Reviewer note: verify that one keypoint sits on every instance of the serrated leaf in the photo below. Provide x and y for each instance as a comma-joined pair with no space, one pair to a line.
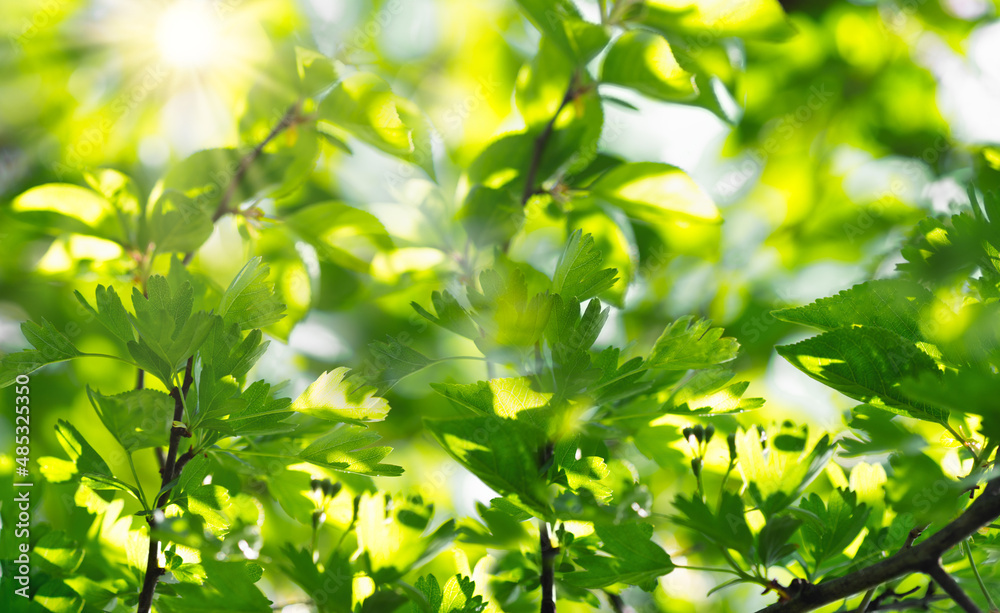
867,364
689,343
391,534
347,449
227,589
501,452
109,311
894,304
629,557
249,300
334,398
578,273
137,419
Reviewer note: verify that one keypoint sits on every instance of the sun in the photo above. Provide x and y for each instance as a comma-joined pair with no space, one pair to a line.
188,35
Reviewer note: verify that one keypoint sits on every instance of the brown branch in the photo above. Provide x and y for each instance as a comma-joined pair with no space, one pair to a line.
548,577
290,118
171,471
541,141
924,557
170,465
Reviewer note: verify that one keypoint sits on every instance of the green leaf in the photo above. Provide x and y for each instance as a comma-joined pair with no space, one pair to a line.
110,312
655,193
391,362
391,533
507,398
60,552
249,300
727,529
137,419
829,527
542,84
316,71
748,19
491,215
629,556
50,343
228,588
178,223
204,177
334,582
346,449
894,304
644,62
867,364
578,273
50,346
778,478
334,398
69,208
501,452
505,314
169,333
560,20
364,106
450,315
689,343
341,234
772,546
83,459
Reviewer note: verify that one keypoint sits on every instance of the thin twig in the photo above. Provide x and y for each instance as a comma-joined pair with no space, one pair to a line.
541,141
290,118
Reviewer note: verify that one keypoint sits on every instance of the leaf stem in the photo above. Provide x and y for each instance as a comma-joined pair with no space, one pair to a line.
979,579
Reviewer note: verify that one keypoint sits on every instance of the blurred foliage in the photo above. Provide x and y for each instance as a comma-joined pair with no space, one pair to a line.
510,217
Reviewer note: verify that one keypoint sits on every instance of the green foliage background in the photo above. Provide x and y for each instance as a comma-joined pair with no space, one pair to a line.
727,159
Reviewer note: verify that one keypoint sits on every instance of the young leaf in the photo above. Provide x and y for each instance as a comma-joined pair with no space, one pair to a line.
228,588
249,300
578,273
688,343
347,449
392,362
333,398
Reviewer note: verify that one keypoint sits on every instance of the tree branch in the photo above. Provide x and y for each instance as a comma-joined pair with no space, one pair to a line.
290,118
541,141
171,470
924,557
548,579
953,589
